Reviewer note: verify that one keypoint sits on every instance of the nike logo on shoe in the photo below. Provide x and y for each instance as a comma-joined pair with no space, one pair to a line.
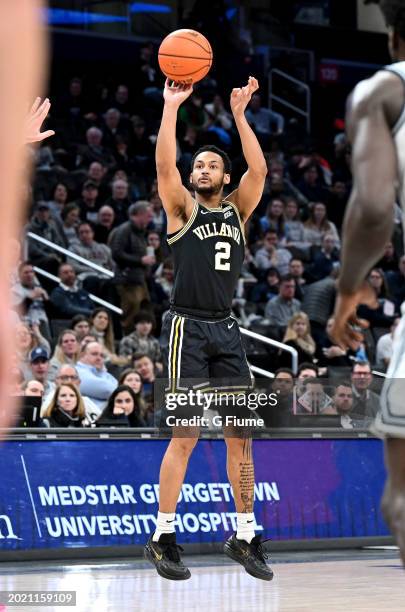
249,521
231,325
158,556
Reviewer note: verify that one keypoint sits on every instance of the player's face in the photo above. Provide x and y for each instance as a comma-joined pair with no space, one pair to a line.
208,176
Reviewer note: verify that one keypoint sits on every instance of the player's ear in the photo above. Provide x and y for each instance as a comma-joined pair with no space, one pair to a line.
191,178
227,179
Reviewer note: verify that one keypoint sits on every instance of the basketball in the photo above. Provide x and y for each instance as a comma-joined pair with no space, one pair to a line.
185,56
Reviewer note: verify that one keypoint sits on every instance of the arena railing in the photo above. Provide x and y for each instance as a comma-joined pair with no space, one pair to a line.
306,113
94,298
280,345
56,247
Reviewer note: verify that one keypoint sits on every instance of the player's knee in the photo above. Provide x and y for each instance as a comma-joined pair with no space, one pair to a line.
184,446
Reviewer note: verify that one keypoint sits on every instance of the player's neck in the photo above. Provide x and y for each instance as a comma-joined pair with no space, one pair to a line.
213,201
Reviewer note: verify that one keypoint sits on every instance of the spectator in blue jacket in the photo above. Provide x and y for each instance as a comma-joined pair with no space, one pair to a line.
68,298
95,382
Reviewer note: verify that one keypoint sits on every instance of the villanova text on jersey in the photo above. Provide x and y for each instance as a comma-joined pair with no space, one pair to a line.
208,254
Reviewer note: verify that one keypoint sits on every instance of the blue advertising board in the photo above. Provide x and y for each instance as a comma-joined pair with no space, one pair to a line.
93,493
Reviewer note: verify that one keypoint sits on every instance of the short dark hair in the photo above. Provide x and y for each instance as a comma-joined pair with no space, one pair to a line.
68,209
220,152
361,363
394,15
286,278
284,371
306,365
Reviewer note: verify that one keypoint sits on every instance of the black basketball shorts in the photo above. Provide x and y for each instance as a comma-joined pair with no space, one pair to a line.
203,355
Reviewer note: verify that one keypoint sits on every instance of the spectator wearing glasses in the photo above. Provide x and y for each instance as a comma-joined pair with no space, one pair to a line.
68,374
96,382
365,401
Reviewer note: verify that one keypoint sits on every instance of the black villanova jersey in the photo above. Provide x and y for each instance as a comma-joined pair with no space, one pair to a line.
208,254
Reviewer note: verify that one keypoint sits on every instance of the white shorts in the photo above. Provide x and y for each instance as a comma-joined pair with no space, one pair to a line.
390,421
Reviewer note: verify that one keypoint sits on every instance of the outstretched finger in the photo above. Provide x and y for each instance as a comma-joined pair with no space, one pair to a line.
43,109
35,106
46,134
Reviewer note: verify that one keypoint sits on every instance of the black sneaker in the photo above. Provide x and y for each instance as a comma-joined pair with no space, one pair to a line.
251,556
164,555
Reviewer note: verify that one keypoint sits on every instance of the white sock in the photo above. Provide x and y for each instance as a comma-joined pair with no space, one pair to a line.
165,524
245,522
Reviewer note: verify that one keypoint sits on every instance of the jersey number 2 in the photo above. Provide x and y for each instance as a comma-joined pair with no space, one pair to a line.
224,253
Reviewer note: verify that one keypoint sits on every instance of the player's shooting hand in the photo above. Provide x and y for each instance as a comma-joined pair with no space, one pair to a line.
176,93
34,121
347,327
240,96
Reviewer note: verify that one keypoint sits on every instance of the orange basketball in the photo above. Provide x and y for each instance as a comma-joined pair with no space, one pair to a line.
185,56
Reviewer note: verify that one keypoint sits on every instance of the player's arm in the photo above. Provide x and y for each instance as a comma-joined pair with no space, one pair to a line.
368,221
250,189
174,195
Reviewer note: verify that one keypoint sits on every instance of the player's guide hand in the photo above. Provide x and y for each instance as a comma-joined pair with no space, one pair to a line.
176,93
34,121
240,96
347,327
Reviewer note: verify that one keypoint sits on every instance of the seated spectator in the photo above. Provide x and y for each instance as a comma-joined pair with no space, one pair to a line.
283,385
94,151
97,175
318,225
296,269
312,398
153,240
89,204
121,410
66,408
280,309
91,250
396,283
70,220
44,226
105,224
311,185
307,370
113,127
30,298
96,382
384,346
159,221
325,259
27,338
101,327
144,365
343,405
298,336
68,298
39,362
217,113
141,340
271,255
68,374
264,121
81,326
119,201
33,388
366,402
274,218
66,352
337,202
389,260
384,314
60,198
267,289
294,228
133,379
318,303
329,354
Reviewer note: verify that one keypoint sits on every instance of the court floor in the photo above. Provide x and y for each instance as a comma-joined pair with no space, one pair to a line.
323,581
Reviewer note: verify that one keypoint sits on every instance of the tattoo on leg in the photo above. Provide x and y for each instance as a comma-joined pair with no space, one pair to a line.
247,484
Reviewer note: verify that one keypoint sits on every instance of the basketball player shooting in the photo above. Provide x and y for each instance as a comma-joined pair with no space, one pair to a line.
376,128
200,339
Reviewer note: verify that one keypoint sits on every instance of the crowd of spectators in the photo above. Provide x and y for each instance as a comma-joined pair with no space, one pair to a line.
95,194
